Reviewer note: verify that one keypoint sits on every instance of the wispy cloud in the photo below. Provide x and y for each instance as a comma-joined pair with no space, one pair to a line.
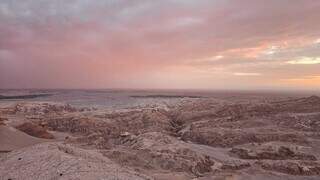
305,61
246,74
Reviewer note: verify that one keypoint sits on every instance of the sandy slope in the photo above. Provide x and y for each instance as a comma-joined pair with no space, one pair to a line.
63,162
11,139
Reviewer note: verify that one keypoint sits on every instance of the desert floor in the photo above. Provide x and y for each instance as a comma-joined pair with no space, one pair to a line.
260,138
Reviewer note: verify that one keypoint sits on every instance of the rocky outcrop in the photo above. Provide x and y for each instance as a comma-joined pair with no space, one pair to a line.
135,122
229,138
43,108
281,153
300,105
35,130
308,122
2,119
161,152
293,168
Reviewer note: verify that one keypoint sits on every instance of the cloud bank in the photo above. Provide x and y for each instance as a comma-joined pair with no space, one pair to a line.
214,44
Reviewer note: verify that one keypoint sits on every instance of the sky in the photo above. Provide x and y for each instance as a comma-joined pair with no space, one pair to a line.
167,44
